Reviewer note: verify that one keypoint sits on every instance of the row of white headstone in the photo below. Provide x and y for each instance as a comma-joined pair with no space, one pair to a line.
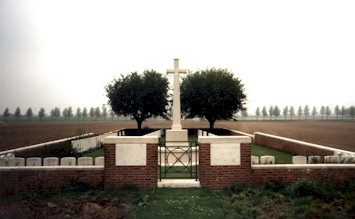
52,161
304,160
85,144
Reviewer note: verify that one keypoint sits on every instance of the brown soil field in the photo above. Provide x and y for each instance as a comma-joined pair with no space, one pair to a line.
335,134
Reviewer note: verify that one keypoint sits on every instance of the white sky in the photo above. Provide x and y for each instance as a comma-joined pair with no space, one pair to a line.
63,53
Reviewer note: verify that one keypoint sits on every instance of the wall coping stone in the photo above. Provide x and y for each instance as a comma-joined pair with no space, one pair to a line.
34,168
224,139
303,166
131,140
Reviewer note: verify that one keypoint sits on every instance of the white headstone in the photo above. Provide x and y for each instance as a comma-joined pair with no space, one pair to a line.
254,160
331,159
17,162
347,159
4,162
10,155
34,161
99,161
299,160
85,161
68,161
50,161
267,159
314,159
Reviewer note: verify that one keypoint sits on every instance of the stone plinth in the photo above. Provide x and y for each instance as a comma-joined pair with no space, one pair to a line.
176,135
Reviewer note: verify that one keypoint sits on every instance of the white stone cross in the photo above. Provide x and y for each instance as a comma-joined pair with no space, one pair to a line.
176,94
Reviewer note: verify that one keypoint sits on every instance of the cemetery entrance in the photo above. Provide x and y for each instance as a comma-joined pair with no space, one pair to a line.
178,161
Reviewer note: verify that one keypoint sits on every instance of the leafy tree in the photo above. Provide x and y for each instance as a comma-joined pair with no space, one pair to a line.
314,112
97,112
85,113
328,112
41,114
285,111
112,114
299,112
29,113
56,113
271,111
213,94
70,112
342,112
6,113
337,111
92,113
65,113
352,112
244,113
18,113
52,112
141,96
276,112
264,112
322,111
78,113
292,112
306,111
104,112
257,113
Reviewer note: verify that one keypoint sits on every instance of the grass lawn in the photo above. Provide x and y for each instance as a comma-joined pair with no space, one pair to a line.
280,157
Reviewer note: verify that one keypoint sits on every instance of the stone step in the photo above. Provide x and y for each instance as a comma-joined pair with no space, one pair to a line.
178,183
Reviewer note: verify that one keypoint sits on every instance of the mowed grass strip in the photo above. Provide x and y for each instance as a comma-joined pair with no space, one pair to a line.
280,157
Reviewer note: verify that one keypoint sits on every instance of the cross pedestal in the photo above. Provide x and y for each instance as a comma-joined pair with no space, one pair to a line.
176,134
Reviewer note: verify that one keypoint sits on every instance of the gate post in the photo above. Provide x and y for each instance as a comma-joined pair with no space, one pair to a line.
224,160
131,160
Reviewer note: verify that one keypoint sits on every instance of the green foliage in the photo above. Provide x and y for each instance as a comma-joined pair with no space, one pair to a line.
139,96
310,188
213,94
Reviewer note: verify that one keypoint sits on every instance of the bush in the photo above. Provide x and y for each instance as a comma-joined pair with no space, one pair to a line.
309,188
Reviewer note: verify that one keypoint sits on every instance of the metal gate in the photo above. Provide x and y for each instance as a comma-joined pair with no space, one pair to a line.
178,162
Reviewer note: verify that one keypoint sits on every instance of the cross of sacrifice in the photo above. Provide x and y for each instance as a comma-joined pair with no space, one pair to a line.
176,94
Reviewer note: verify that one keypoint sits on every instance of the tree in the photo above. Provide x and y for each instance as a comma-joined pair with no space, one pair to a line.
244,113
285,111
337,111
78,113
264,112
276,112
322,111
314,112
342,112
92,113
141,96
299,112
292,112
18,113
97,112
6,113
104,112
56,113
52,112
85,113
65,113
257,113
328,112
112,114
29,113
213,94
306,111
271,111
41,114
70,112
352,112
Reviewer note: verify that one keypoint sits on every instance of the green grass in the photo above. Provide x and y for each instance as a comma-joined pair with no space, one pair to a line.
280,157
178,172
94,153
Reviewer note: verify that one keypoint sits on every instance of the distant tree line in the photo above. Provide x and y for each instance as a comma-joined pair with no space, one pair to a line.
66,114
273,112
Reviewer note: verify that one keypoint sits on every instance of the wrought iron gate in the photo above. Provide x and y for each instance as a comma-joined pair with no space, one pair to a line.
178,162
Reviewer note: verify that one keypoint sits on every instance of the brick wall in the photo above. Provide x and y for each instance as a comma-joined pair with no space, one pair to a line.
294,148
141,176
22,179
333,173
219,177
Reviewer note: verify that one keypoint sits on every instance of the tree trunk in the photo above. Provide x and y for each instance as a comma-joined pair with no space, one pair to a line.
139,123
211,123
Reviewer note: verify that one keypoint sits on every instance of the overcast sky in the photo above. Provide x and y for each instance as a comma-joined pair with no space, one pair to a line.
62,53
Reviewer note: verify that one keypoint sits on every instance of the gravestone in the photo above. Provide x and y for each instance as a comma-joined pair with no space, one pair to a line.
51,161
99,161
34,161
331,159
4,162
254,160
299,160
267,159
176,133
68,161
85,161
17,162
347,159
314,159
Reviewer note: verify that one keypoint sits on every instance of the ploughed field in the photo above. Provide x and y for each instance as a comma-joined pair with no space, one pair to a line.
330,133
